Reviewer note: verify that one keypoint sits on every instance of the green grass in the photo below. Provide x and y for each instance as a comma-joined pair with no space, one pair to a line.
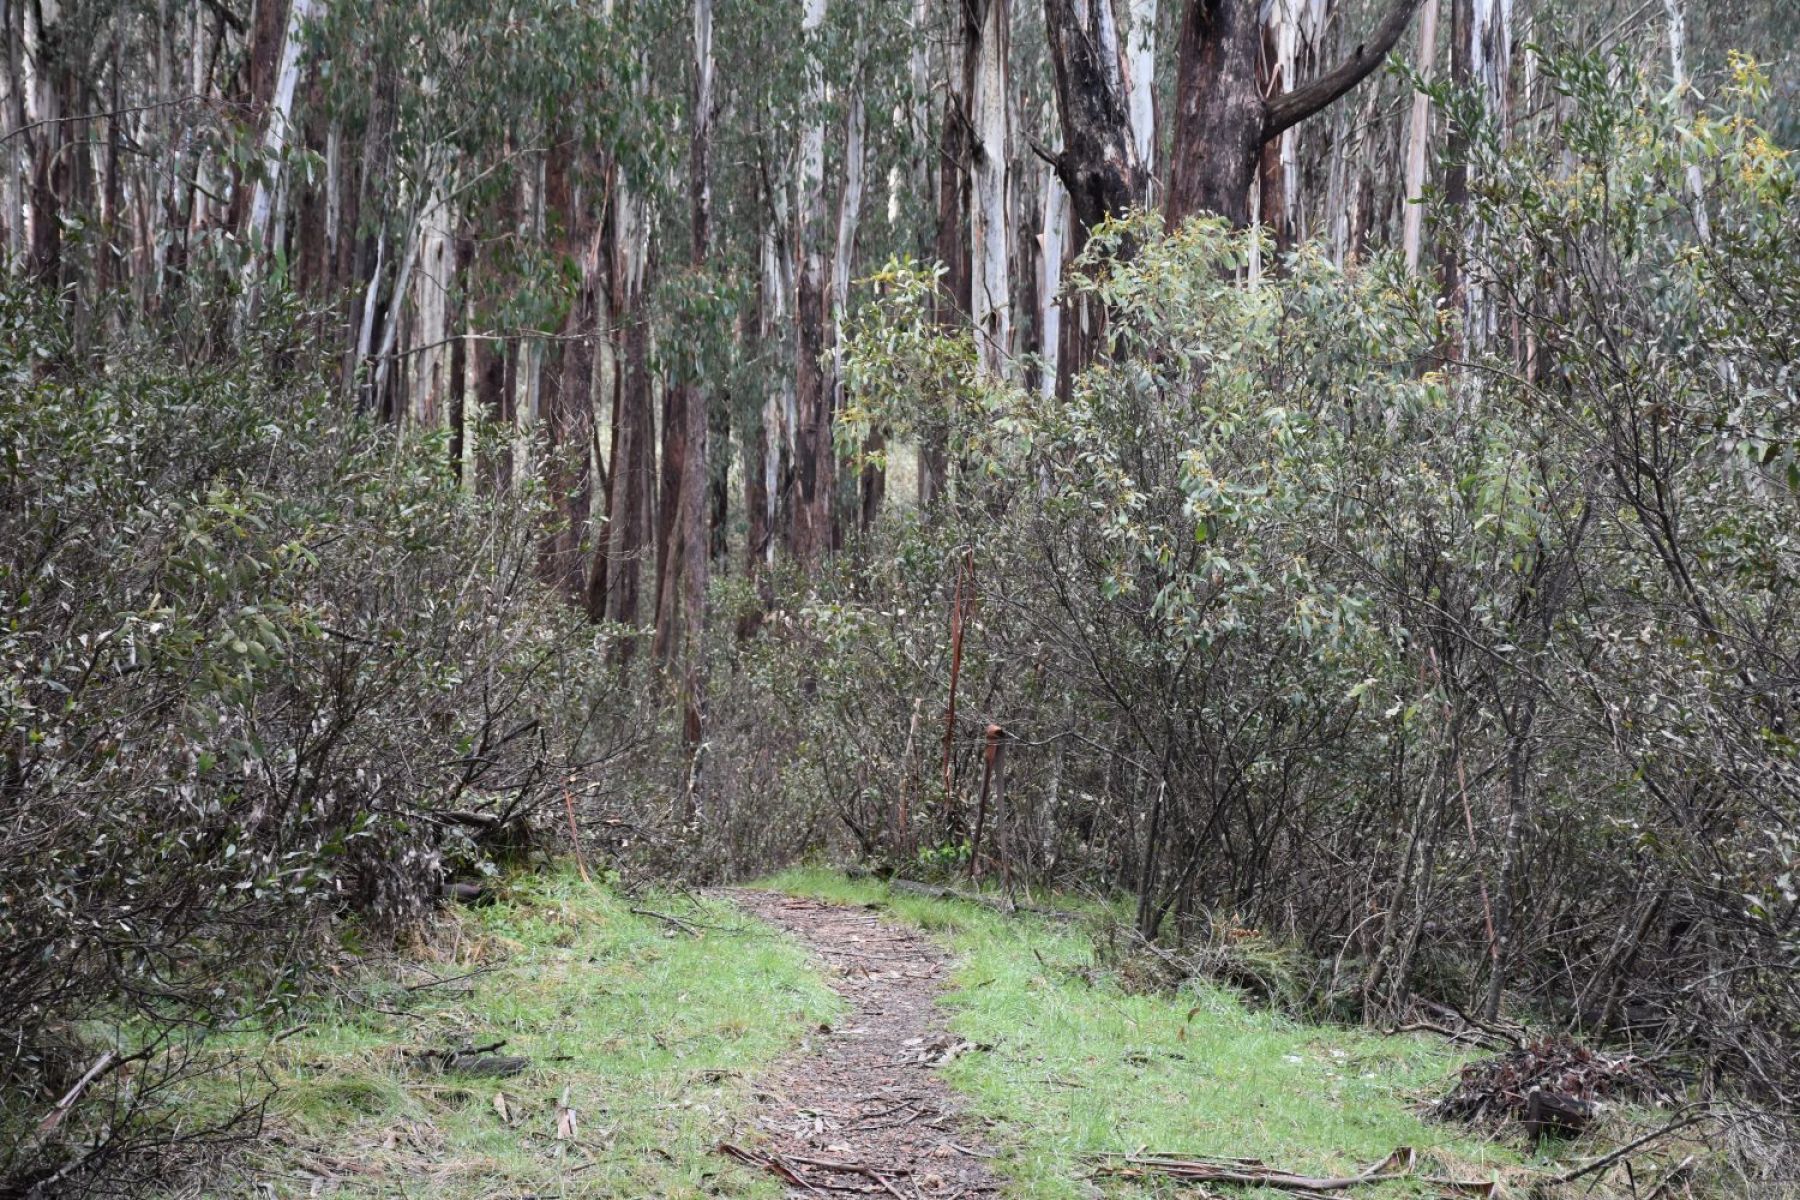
652,1035
1081,1067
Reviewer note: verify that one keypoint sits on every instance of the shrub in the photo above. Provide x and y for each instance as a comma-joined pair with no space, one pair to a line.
1454,644
270,677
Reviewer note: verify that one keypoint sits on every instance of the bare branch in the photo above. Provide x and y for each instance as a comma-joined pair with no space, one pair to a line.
1289,109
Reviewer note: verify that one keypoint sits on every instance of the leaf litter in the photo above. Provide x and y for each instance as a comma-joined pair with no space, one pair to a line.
863,1110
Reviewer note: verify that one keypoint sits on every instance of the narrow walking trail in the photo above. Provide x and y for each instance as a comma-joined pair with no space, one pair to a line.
862,1109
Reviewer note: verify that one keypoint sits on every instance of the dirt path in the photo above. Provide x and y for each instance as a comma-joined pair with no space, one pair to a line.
861,1109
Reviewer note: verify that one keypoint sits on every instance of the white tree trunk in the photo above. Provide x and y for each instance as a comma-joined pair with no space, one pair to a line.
991,285
849,216
37,28
811,189
778,405
1056,221
411,247
1418,135
812,155
1492,56
365,329
435,276
1141,72
199,66
1679,77
15,142
275,137
1490,64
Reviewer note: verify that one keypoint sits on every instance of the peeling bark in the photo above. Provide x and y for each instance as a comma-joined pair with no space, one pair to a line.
810,517
991,289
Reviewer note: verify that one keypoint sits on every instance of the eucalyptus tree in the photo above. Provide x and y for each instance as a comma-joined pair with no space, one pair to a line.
1222,117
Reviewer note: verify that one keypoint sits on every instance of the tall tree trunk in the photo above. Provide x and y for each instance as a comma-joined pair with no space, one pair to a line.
1050,268
671,465
12,19
1222,119
697,466
991,286
756,499
567,397
1456,171
1140,82
1290,24
722,449
810,517
763,445
43,34
111,232
1099,165
313,237
870,486
952,249
459,385
277,110
681,608
265,40
433,278
1678,78
632,475
1418,134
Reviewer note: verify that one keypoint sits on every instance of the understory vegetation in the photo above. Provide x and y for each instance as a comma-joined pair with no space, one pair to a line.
407,500
272,680
1279,617
1457,656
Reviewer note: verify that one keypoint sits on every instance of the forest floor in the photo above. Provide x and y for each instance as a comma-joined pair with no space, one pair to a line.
865,1104
816,1036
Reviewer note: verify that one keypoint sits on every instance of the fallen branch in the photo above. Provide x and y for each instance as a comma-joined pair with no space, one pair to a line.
473,1060
785,1167
1248,1172
54,1117
435,982
677,922
1491,1034
765,1162
1631,1147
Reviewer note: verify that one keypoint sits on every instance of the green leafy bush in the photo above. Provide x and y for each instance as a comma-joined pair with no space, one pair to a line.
270,676
1453,642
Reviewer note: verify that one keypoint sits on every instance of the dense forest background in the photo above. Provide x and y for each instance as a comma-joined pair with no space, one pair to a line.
1325,465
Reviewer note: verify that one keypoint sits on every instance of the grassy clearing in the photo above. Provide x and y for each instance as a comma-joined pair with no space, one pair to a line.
650,1034
1081,1067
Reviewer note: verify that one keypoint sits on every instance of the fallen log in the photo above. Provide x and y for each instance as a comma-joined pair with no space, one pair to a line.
1249,1172
477,1061
1555,1114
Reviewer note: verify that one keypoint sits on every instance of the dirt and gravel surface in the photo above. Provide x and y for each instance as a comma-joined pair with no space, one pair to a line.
861,1109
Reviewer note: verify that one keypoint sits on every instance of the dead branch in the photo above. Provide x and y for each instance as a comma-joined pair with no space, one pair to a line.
1250,1173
